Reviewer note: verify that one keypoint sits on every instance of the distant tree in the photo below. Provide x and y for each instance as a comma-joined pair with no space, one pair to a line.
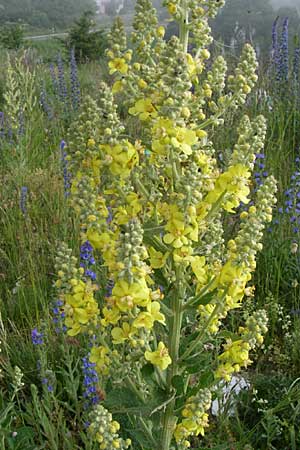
87,43
44,13
11,36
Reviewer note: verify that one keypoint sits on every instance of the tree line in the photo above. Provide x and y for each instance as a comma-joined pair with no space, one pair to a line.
56,14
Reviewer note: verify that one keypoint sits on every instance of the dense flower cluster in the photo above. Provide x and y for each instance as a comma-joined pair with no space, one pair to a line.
79,307
195,418
236,354
105,430
151,201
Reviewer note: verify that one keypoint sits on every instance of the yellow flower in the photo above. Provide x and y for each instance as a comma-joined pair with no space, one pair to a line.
128,295
98,240
157,259
99,356
159,357
195,67
160,31
118,65
177,238
122,158
120,335
154,309
91,142
183,254
144,320
172,8
142,83
111,316
80,308
234,184
235,277
184,139
117,86
144,109
224,371
198,266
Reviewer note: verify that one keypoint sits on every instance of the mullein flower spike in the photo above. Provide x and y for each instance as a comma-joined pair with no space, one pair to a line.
151,201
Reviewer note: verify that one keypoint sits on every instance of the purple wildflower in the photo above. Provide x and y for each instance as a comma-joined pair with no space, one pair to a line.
75,85
90,382
23,200
66,173
87,259
37,338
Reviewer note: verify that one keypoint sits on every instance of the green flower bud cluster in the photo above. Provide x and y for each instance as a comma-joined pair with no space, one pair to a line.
245,77
191,184
251,141
248,240
256,327
89,206
111,125
213,241
174,8
12,97
199,27
144,34
17,381
66,268
211,6
131,251
104,430
87,126
216,76
175,78
117,38
20,93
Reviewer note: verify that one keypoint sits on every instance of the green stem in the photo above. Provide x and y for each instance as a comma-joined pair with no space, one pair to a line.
169,418
184,27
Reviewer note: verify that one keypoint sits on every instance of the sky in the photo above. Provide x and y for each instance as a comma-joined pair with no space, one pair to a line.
279,3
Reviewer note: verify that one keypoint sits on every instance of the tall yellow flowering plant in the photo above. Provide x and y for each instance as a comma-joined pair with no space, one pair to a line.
151,200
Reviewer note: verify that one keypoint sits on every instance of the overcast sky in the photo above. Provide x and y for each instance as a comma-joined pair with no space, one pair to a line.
279,3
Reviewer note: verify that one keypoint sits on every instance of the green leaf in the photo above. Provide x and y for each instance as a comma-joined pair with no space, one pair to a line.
124,397
148,373
197,363
202,299
178,383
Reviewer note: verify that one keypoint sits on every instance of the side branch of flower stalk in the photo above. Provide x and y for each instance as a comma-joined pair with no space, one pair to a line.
197,341
134,389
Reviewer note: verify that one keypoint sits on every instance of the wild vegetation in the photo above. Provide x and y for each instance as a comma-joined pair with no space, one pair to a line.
149,261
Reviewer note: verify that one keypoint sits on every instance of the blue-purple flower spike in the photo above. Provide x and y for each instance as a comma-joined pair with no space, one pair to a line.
87,260
37,338
65,168
90,382
282,65
62,87
23,200
275,49
75,85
